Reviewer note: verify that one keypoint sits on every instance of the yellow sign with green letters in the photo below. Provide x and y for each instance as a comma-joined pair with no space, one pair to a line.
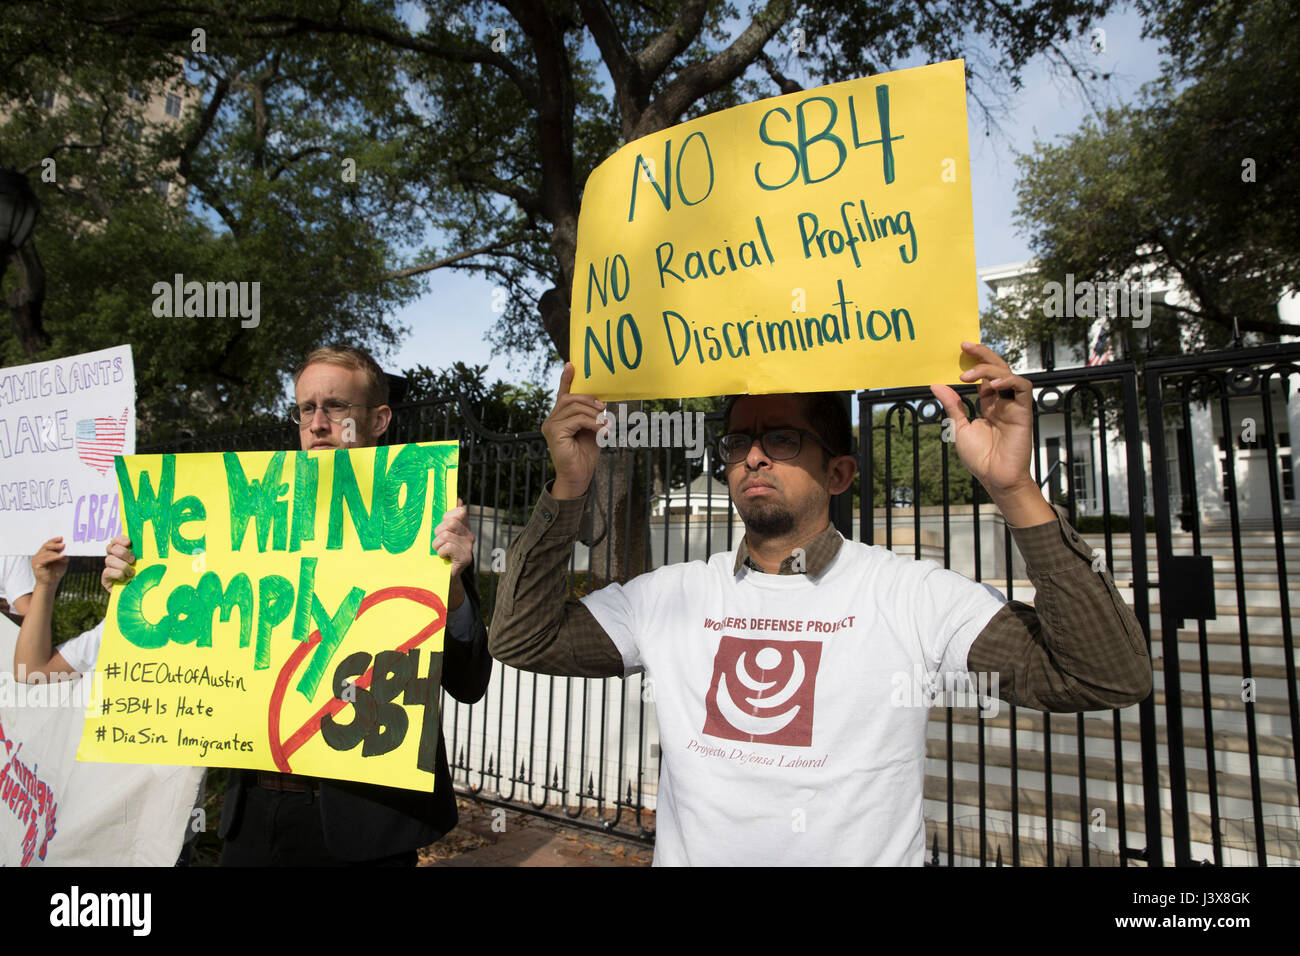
815,241
286,613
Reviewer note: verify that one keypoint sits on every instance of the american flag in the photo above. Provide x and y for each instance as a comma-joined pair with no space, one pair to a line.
1101,351
99,439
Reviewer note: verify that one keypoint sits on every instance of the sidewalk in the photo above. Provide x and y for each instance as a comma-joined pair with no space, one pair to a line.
497,836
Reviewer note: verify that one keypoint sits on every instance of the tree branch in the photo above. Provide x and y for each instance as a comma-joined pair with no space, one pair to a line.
185,159
559,189
476,175
700,79
671,42
631,92
783,82
257,89
1077,75
279,26
1198,284
290,160
1245,325
452,259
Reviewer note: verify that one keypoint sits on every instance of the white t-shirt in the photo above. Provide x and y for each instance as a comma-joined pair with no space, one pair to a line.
792,719
16,578
81,651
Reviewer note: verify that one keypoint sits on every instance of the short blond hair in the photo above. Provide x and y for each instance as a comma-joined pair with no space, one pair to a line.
356,359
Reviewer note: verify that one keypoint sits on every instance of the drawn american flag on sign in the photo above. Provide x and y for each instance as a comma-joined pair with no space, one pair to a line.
99,439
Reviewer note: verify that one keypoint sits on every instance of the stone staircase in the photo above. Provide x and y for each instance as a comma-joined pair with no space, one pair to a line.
1059,799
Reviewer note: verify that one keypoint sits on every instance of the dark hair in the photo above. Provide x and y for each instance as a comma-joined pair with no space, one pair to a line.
826,412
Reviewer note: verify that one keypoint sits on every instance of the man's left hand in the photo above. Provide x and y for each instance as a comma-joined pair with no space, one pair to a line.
453,539
996,447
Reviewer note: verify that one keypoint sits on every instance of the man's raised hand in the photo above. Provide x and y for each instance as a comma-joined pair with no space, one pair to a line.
570,432
995,448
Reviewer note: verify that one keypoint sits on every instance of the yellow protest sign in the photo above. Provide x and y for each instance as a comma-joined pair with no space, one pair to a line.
286,613
815,241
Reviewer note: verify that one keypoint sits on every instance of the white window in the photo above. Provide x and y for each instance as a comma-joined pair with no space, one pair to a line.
1081,469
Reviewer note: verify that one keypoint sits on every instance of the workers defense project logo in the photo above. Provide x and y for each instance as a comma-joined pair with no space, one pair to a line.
762,691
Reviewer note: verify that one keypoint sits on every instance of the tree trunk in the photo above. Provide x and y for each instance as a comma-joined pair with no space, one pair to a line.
616,528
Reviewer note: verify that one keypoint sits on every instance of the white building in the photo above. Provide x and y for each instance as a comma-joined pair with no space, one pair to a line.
1197,454
706,495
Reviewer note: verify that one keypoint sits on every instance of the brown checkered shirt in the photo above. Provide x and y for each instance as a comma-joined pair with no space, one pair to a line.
1078,648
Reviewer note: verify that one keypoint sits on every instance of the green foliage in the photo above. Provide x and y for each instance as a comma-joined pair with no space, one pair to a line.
925,450
1164,188
472,127
499,406
848,40
255,194
74,617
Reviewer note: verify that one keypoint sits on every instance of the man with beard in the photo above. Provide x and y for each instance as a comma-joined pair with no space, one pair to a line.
785,672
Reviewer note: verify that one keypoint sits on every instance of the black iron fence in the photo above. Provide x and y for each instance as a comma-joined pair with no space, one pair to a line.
1188,775
1197,448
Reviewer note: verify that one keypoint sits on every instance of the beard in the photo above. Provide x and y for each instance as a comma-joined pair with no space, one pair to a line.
766,519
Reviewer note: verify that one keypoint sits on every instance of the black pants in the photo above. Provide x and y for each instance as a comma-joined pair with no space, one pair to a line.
284,829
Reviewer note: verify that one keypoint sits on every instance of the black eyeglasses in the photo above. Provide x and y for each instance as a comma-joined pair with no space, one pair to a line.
334,411
779,444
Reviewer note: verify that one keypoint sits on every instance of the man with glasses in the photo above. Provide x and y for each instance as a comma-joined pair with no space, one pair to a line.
274,819
788,674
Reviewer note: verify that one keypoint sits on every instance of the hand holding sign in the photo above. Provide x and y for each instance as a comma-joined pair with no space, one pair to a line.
50,563
454,540
570,432
119,562
996,447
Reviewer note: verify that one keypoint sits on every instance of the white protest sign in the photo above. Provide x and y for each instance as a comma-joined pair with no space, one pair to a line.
61,424
55,811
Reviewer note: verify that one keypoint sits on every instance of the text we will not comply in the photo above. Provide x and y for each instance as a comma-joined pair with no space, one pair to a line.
391,507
